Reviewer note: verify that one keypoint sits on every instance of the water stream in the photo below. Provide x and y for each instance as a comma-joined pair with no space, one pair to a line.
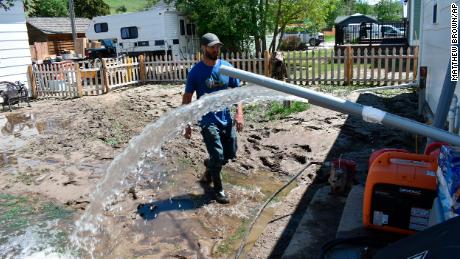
147,144
95,228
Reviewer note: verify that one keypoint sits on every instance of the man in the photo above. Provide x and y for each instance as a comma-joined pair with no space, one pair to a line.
216,127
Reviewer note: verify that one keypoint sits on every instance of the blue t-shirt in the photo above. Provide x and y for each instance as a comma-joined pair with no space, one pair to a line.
205,79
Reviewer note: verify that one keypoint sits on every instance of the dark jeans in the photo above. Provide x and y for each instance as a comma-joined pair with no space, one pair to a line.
221,145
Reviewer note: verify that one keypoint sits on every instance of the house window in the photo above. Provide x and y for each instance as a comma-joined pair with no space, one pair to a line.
182,27
101,27
129,32
190,29
142,43
176,41
159,42
435,13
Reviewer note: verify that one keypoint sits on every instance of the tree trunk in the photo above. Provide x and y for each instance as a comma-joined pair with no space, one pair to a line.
263,9
275,31
255,29
257,43
281,36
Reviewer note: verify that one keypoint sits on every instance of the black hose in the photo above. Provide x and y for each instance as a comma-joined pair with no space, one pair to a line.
243,242
368,241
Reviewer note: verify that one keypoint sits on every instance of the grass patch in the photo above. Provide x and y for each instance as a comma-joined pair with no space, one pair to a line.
22,214
112,141
117,136
253,112
389,93
277,110
131,5
272,110
54,211
229,244
329,38
298,55
17,212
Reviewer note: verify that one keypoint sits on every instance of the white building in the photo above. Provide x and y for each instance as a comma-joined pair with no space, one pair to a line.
14,44
434,44
413,15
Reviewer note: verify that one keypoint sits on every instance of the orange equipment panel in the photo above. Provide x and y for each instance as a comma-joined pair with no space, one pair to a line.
399,193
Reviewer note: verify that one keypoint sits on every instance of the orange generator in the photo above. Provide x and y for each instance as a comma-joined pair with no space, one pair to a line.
399,193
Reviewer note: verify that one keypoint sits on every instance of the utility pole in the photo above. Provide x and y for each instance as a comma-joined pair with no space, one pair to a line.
72,23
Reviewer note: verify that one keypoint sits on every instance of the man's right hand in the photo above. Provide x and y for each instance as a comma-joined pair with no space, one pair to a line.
188,132
186,99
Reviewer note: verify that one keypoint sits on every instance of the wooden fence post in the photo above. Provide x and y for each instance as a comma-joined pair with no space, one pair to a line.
32,82
348,65
105,75
129,69
198,56
142,68
415,68
78,78
267,71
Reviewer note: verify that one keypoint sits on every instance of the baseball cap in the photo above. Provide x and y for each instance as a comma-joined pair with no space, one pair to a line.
210,39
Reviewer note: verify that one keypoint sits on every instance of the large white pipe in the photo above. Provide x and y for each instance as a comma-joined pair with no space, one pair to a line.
368,113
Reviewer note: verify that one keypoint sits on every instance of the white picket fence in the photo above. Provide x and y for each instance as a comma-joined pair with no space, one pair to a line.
352,66
332,67
55,80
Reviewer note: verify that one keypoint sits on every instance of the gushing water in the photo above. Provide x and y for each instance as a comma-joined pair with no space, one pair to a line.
92,229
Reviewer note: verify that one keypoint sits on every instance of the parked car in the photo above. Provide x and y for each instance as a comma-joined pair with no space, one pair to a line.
386,31
107,50
390,31
314,39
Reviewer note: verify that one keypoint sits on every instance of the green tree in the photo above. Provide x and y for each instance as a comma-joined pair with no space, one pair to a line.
48,8
285,12
150,3
6,4
230,19
347,7
333,10
389,10
239,22
363,7
121,9
91,8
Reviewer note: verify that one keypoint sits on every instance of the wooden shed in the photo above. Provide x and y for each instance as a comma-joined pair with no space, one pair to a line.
56,31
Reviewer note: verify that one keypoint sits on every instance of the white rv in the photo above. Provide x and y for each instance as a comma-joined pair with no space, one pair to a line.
159,30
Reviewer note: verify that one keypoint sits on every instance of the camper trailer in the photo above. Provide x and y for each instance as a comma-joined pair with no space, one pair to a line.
161,30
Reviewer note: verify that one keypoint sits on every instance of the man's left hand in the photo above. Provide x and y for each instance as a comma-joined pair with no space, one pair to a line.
239,122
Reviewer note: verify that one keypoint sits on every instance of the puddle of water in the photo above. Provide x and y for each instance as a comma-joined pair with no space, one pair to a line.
151,211
16,129
167,218
266,181
7,158
101,227
31,225
268,184
128,167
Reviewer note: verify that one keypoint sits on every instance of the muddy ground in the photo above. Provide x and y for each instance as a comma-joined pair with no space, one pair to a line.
58,150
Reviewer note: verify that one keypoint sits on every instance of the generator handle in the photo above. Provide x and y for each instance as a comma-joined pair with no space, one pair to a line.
386,159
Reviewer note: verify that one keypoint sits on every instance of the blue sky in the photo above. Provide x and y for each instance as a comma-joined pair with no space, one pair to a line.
372,1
